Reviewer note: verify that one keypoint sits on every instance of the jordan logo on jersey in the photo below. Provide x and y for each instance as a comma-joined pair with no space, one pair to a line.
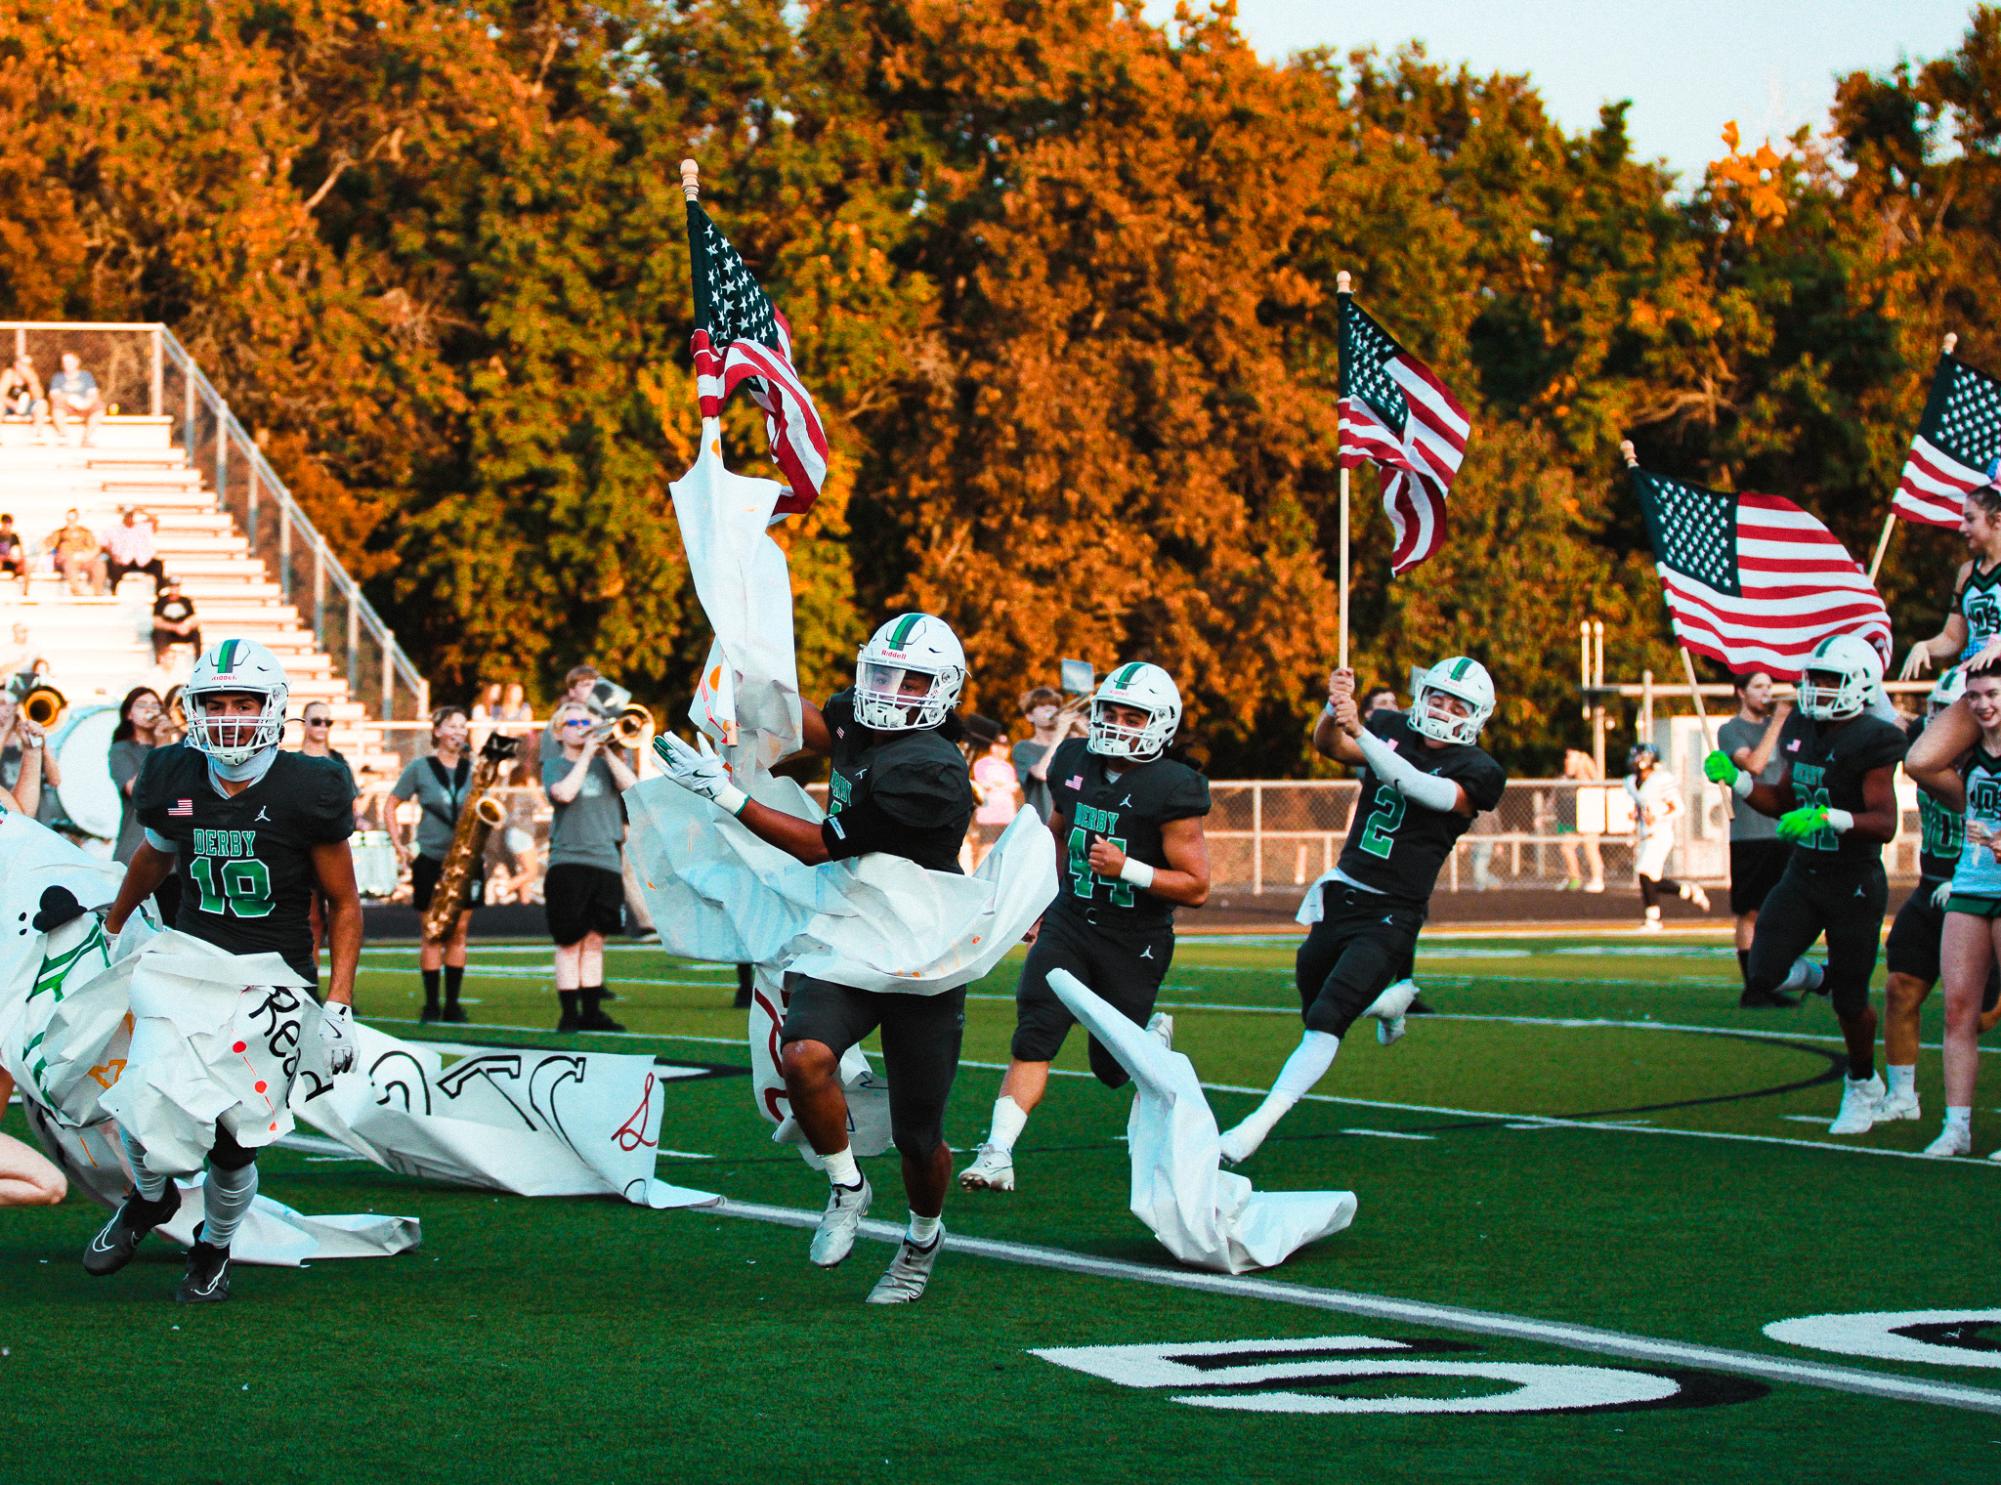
263,816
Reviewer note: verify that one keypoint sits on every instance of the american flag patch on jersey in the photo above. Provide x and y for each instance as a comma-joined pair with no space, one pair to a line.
181,809
1075,781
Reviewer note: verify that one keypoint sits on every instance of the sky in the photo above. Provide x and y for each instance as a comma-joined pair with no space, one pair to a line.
1688,65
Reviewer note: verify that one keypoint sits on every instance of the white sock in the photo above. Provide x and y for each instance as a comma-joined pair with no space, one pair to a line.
1804,975
841,1167
922,1231
1959,1116
226,1196
1010,1118
1653,914
1902,1079
149,1185
1306,1066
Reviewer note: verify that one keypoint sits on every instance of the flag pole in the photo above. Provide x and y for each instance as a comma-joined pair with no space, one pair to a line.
1343,286
691,183
1632,459
1890,521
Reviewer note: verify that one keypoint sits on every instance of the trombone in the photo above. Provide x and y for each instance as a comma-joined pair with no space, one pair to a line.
41,703
628,728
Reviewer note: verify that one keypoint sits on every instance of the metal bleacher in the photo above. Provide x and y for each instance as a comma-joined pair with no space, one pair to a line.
226,526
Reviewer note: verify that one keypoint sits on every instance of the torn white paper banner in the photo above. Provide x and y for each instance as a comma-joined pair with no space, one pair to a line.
65,1034
93,1158
218,1040
1204,1215
506,1119
745,590
877,922
867,1093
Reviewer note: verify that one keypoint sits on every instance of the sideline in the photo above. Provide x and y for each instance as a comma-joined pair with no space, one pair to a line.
1445,1317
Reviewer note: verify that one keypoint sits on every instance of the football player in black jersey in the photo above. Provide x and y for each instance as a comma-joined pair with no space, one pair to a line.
899,785
252,832
1129,850
1423,780
1836,804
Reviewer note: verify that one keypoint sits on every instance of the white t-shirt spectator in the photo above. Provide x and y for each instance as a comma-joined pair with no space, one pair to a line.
131,545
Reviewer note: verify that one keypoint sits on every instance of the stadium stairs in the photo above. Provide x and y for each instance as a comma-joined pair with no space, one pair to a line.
98,648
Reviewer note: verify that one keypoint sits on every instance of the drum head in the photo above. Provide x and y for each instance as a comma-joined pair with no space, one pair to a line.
87,801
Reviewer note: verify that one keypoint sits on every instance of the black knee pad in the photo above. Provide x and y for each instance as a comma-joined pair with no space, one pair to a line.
1107,1068
227,1154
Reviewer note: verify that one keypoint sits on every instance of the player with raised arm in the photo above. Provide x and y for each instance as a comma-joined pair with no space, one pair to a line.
1129,850
899,786
1836,804
1423,779
252,832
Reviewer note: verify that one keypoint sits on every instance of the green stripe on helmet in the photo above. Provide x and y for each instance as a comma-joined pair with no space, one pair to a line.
225,657
1459,668
900,635
1125,676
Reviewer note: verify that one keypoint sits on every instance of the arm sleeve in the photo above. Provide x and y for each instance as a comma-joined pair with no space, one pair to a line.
857,832
1433,791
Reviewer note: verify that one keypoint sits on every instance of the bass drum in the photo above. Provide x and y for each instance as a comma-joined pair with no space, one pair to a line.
375,865
88,802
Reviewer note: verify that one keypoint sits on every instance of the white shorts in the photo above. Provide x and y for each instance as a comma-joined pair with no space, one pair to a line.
1650,856
217,1042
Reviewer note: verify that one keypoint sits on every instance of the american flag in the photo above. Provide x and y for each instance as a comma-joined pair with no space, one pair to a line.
181,809
1958,442
1753,580
740,337
1397,415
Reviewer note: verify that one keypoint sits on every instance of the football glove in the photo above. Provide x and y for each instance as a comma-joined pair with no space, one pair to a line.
337,1039
1941,893
1796,825
1719,769
699,771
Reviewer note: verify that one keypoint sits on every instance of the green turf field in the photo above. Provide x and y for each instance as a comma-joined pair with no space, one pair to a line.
1590,1162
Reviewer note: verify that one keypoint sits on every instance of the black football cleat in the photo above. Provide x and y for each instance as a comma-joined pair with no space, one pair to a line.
1764,1000
455,1015
596,1020
207,1280
115,1243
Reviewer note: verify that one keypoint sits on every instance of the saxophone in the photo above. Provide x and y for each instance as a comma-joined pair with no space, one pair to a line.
483,811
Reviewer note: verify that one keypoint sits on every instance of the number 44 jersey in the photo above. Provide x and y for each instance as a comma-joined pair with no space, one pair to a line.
245,862
1126,803
1397,847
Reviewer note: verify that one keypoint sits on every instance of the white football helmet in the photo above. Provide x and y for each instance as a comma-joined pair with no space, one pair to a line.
1145,688
1457,676
919,643
236,665
1839,678
1950,687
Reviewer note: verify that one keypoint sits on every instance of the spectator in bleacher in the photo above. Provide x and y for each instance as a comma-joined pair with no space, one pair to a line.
74,393
22,395
78,554
439,783
141,720
174,621
128,547
13,552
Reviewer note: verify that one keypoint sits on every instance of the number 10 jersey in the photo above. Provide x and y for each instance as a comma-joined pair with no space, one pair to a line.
245,862
1396,847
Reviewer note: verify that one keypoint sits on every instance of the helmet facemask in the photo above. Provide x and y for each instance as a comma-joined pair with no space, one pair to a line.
1443,726
1833,695
1110,738
233,740
882,705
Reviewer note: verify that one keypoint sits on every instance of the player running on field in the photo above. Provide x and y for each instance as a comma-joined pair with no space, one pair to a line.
1423,780
1973,910
252,832
1917,931
1130,849
1656,799
1836,804
899,785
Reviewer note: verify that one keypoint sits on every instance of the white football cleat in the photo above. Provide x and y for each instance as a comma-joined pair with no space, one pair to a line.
1954,1139
903,1283
1649,925
1388,1010
1699,897
992,1170
1859,1102
1160,1026
1895,1106
834,1238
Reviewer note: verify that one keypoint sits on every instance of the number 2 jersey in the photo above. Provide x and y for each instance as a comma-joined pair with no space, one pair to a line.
245,862
1827,762
1397,848
1128,804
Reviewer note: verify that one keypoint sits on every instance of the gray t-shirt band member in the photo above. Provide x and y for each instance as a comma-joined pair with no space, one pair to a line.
440,793
1740,738
587,830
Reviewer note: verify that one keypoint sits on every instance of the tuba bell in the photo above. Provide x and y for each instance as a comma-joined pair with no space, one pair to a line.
41,703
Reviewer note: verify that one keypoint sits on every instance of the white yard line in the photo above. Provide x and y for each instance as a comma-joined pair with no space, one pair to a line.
1589,1338
1537,1121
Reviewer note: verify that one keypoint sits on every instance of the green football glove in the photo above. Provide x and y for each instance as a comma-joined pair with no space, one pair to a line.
1796,825
1719,769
